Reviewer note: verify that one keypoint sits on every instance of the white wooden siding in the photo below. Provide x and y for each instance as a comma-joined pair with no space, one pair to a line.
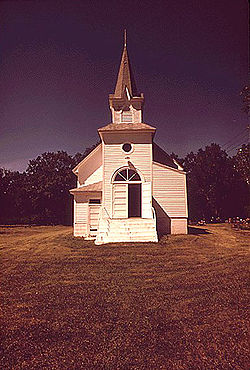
120,200
81,210
169,190
80,230
146,200
114,158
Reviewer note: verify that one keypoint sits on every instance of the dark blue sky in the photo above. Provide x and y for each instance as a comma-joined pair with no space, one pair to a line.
59,61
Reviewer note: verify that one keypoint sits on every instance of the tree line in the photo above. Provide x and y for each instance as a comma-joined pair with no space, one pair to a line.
218,186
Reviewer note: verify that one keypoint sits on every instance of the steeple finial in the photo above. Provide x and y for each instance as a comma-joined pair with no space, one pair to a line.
125,38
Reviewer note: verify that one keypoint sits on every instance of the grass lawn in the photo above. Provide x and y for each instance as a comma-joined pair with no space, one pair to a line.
177,304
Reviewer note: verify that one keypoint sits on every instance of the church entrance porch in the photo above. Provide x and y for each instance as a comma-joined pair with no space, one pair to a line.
134,200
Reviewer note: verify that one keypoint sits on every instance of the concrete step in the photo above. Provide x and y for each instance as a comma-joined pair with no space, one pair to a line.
132,223
126,230
134,234
129,240
128,222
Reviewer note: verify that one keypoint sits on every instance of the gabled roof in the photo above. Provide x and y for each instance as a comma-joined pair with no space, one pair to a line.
160,156
87,157
127,127
96,187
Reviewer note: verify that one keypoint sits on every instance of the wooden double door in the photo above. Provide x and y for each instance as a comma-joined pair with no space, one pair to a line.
132,200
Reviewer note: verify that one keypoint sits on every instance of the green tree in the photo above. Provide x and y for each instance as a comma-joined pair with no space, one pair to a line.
241,163
213,184
13,198
41,194
50,178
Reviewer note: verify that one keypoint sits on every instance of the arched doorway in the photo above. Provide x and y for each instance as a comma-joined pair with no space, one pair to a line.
127,193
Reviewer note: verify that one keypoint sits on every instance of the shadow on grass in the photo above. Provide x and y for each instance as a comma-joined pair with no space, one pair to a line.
197,231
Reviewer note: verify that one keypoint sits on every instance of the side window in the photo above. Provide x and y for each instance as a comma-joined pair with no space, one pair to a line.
94,201
127,116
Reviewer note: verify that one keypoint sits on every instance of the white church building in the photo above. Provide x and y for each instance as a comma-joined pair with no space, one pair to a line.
128,188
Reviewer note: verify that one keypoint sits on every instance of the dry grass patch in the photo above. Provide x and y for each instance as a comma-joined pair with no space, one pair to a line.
177,304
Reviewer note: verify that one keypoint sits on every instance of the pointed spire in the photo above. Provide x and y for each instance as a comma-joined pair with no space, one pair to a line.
125,38
125,76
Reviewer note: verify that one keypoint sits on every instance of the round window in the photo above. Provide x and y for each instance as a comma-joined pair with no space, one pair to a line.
127,147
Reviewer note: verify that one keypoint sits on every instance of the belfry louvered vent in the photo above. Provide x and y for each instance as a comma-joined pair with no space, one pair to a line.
127,117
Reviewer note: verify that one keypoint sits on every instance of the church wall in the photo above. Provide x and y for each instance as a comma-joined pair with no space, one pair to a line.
169,191
114,158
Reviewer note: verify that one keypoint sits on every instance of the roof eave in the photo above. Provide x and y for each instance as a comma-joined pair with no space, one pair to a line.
128,130
77,191
170,168
75,169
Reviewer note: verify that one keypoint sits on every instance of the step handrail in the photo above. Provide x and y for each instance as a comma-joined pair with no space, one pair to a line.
104,208
106,220
154,214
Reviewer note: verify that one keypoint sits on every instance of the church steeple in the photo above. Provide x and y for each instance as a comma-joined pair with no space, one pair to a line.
126,104
125,76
